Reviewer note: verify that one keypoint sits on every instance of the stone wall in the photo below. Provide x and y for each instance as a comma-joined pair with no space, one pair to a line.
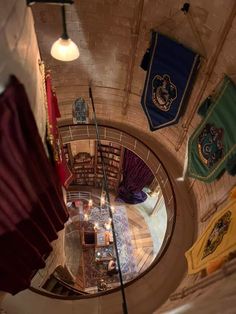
210,197
20,54
111,38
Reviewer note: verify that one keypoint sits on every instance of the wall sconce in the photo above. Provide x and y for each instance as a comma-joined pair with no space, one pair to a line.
64,49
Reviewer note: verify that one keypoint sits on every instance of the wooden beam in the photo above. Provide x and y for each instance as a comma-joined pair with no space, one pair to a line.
134,39
209,70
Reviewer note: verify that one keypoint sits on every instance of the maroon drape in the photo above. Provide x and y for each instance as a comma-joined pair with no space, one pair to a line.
32,210
136,175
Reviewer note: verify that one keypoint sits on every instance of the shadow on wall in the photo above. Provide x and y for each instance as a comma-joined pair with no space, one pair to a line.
73,248
20,56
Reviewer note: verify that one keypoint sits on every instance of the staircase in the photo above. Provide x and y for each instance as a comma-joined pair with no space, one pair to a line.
57,286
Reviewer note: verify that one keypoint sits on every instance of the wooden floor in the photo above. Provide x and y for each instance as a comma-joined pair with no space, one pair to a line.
142,242
141,238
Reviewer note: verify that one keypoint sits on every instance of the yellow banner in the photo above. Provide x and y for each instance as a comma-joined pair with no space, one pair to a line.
217,241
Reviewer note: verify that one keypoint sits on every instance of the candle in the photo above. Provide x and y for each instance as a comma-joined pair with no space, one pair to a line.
96,225
102,200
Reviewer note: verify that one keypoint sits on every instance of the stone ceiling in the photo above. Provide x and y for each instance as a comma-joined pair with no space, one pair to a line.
113,35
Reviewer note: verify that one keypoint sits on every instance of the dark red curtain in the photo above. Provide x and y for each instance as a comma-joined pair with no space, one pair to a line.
136,175
32,210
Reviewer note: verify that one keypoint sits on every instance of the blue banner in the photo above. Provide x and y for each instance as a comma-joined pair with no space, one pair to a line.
168,81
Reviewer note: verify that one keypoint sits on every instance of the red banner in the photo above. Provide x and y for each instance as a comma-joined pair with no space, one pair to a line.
61,166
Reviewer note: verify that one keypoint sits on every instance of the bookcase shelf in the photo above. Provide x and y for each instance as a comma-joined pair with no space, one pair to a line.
113,158
83,169
68,155
88,171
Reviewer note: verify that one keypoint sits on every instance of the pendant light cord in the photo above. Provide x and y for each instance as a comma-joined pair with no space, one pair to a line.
124,304
63,12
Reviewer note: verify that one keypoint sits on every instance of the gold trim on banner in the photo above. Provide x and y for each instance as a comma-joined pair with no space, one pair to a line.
182,98
217,241
197,132
43,77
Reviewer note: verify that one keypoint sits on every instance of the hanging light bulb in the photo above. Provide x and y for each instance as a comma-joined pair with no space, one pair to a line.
64,49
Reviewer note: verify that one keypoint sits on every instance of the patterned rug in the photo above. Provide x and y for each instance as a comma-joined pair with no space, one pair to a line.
94,271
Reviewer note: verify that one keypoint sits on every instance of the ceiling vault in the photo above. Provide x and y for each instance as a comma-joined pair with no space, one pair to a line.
113,35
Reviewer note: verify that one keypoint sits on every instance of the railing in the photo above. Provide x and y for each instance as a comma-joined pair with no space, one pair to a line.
70,133
149,285
75,195
69,288
226,270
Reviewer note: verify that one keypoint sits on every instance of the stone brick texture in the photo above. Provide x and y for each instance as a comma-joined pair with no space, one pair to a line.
112,36
19,54
105,32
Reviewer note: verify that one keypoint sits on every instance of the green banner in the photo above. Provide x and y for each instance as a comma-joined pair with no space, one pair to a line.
212,147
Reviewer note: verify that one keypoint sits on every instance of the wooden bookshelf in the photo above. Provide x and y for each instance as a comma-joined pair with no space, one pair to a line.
83,169
113,158
68,155
88,171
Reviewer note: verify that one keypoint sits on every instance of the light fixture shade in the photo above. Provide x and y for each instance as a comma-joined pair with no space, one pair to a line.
29,2
65,50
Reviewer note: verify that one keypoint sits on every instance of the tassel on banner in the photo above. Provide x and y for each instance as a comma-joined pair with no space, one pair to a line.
181,179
